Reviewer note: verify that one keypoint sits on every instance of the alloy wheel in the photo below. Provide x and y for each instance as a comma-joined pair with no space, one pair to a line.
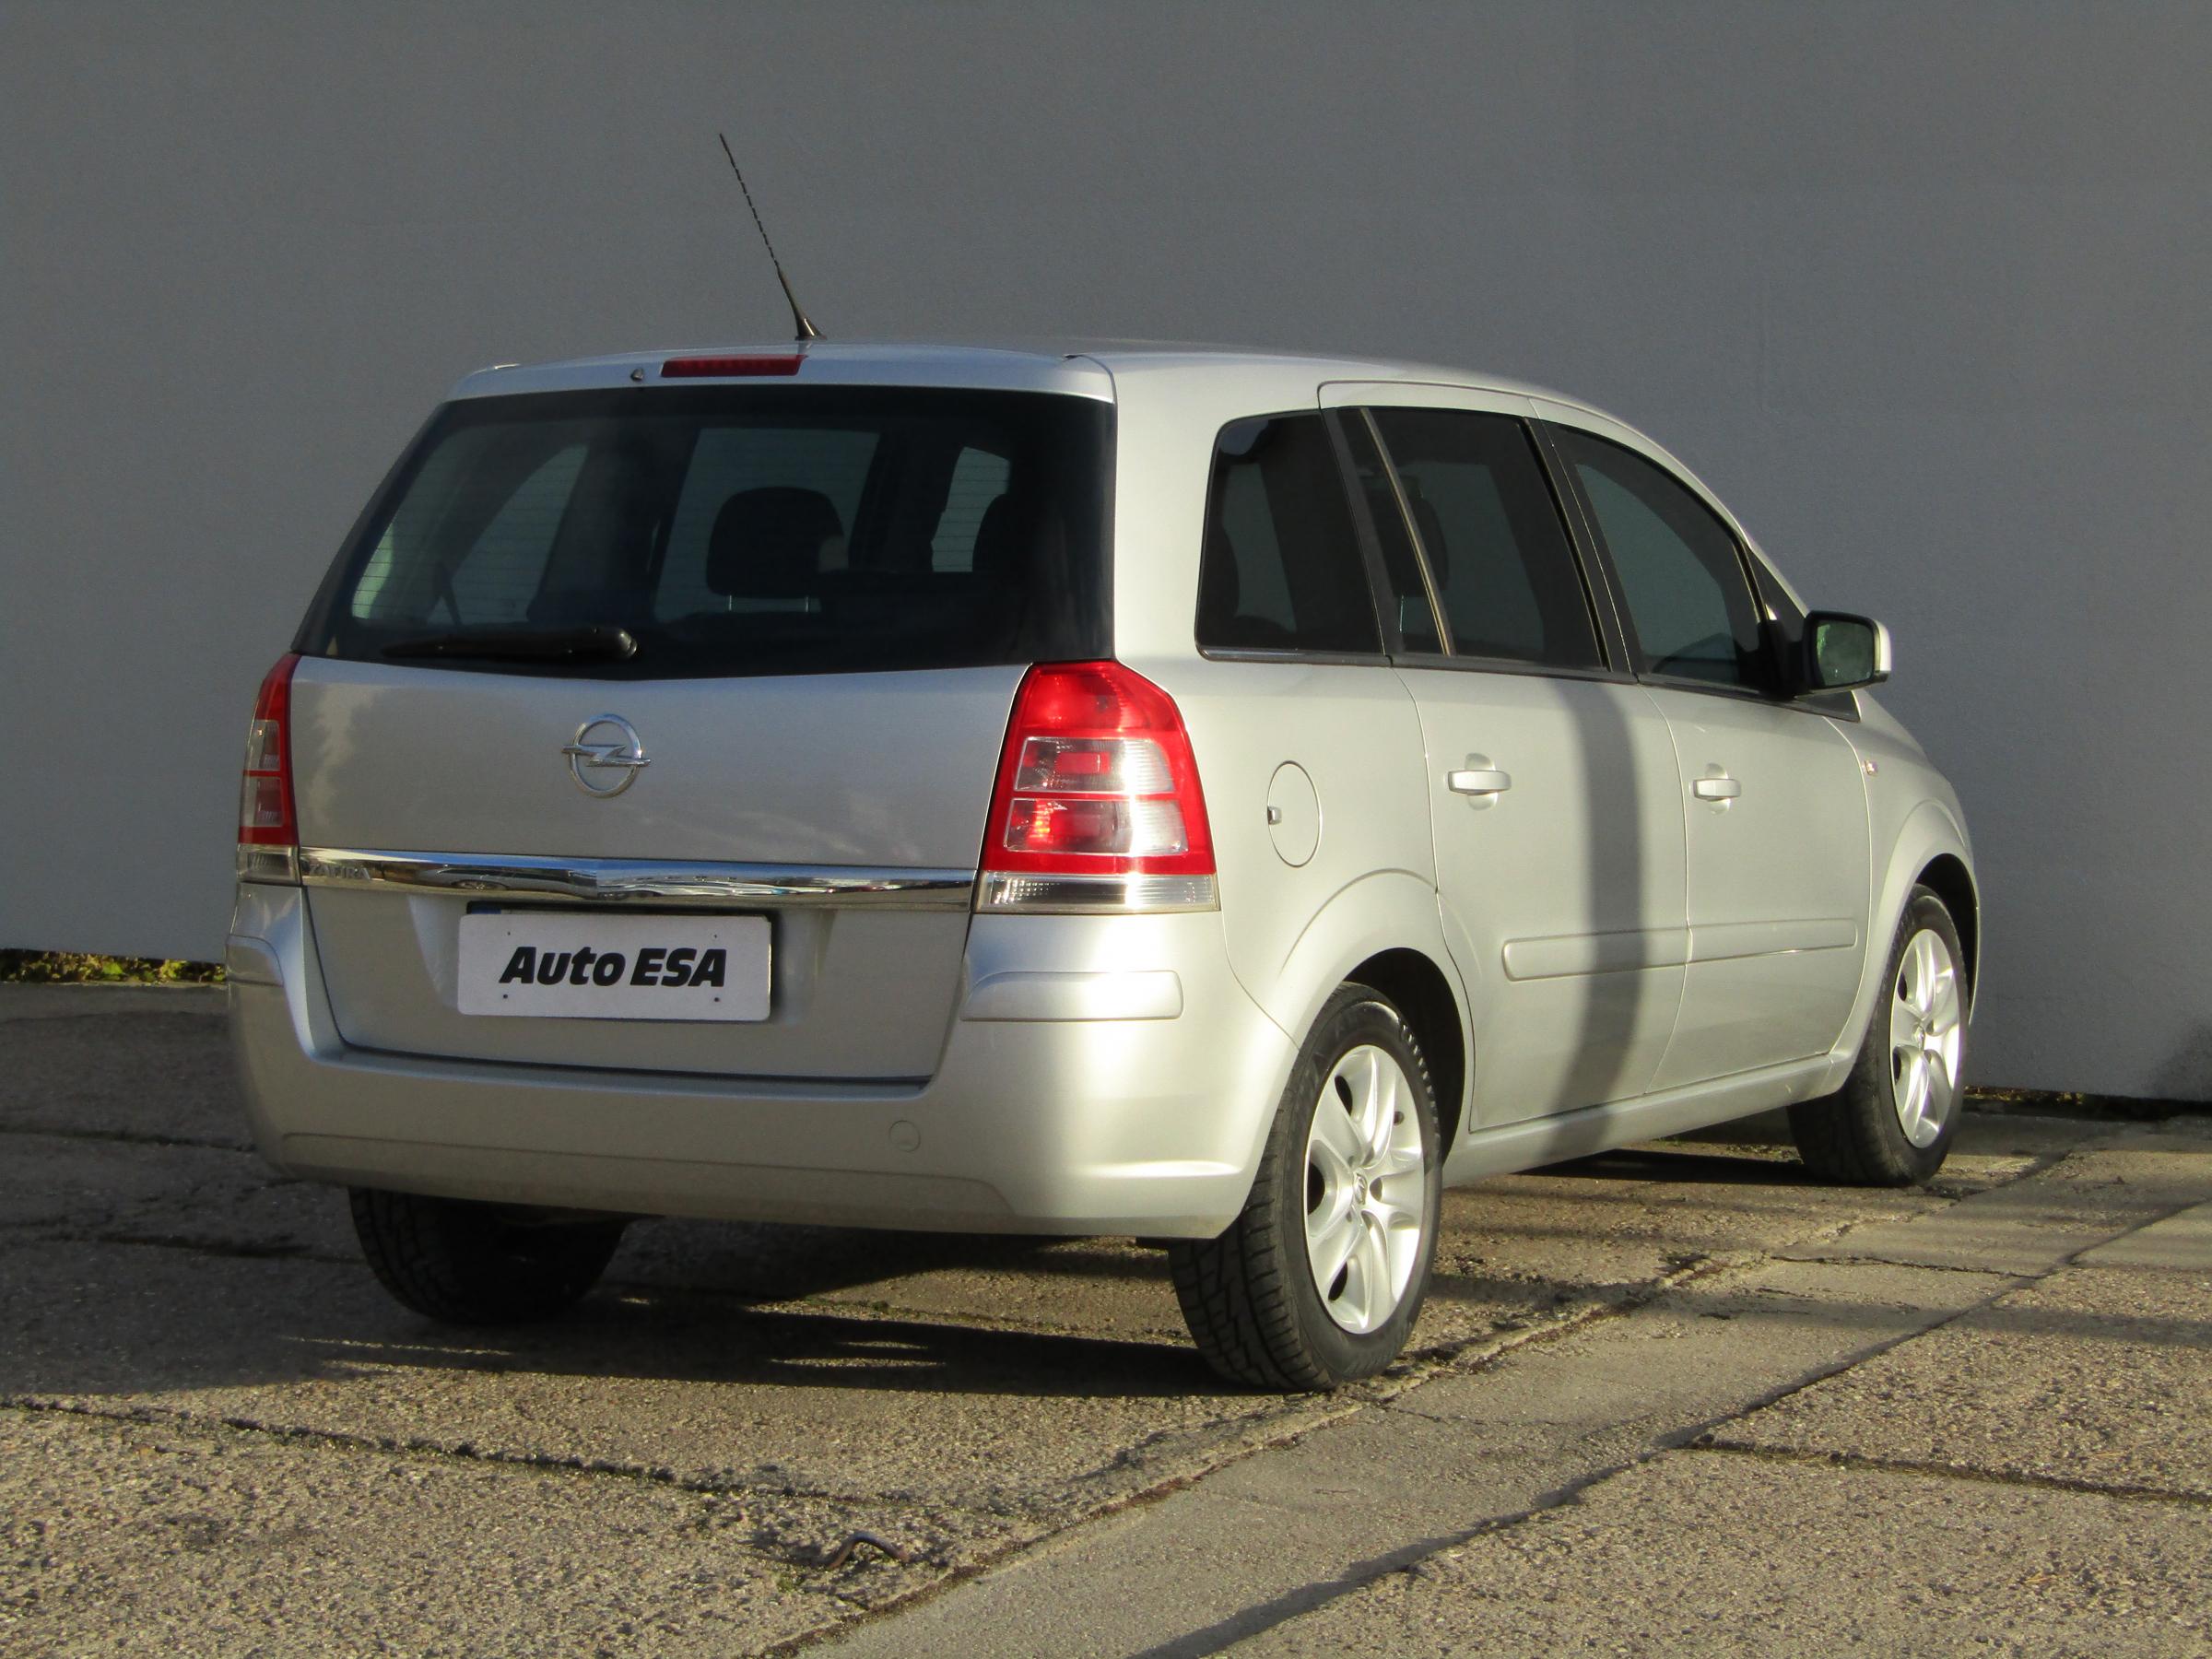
1367,1189
1926,1036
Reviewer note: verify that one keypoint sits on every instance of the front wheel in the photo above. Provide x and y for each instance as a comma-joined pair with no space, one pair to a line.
1891,1122
1318,1282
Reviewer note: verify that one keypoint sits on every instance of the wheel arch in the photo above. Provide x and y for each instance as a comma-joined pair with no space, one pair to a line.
1383,931
1418,987
1931,847
1947,876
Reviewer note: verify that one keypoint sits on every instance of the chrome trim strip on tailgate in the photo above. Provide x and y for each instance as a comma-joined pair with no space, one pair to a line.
702,886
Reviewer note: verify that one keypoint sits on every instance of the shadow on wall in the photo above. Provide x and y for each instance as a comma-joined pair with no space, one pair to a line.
2186,1074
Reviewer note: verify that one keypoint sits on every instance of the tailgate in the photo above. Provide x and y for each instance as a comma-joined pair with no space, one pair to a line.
847,809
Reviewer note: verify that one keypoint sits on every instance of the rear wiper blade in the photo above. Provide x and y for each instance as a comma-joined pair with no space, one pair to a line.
596,642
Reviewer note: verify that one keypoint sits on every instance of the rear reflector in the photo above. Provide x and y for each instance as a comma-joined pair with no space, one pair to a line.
1098,805
728,367
268,833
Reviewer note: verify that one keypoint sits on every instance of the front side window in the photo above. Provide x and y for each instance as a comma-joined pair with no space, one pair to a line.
1498,550
1690,611
737,531
1281,568
1788,618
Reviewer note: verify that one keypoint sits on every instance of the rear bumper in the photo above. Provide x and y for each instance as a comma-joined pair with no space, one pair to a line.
1106,1074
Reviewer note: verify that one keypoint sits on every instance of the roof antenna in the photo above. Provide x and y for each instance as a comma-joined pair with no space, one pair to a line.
807,329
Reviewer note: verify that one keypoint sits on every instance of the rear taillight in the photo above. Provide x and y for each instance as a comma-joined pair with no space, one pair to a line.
268,833
1098,805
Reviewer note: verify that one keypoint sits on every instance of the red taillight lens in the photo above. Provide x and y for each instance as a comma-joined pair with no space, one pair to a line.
268,834
729,368
1097,780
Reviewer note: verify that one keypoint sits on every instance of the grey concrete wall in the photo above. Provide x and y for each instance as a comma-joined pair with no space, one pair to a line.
1919,289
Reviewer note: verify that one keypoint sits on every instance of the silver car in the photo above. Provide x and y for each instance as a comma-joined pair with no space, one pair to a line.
1219,797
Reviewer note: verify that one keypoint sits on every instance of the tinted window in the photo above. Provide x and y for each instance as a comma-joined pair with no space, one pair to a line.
494,575
1281,569
1788,617
1415,618
979,479
1497,551
1681,582
728,461
742,530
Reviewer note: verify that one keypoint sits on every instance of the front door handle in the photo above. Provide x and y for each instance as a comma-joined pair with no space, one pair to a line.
1723,788
1484,782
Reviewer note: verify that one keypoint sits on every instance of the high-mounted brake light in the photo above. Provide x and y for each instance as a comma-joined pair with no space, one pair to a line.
1098,805
268,833
730,367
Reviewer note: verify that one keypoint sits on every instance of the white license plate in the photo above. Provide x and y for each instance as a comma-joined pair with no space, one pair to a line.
560,965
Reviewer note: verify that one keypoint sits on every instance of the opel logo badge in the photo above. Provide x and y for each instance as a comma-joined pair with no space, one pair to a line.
607,757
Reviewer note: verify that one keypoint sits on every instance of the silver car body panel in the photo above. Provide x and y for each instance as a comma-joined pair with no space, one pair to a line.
1623,959
1066,1098
1563,896
457,761
660,884
1777,884
746,773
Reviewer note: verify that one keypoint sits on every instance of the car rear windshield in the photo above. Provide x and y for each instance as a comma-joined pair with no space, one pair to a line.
694,531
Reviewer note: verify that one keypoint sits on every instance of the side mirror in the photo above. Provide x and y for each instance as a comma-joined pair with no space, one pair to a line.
1842,651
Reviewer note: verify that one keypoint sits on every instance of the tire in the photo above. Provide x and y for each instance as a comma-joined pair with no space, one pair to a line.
479,1264
1251,1296
1892,1122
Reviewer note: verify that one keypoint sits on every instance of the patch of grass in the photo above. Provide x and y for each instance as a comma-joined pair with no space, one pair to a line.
68,968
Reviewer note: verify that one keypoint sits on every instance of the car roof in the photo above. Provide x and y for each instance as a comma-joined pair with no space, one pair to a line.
1085,367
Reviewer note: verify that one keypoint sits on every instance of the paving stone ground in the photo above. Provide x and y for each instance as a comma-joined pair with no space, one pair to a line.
217,1436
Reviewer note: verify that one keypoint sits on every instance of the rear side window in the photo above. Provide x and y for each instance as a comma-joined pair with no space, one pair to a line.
1281,568
737,531
1408,595
1497,551
1689,609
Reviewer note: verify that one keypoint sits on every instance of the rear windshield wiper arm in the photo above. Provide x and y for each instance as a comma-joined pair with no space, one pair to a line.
596,642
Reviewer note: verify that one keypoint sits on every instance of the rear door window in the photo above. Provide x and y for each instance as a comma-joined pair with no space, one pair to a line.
738,530
1690,612
1497,551
1281,568
1407,592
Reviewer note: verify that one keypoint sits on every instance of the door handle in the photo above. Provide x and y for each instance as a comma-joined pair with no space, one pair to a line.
1486,781
1723,788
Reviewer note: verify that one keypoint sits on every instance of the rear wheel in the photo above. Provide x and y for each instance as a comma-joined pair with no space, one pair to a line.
1891,1122
1318,1282
480,1264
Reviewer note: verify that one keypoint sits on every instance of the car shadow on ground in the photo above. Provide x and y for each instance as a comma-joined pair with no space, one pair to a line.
1700,1168
771,1262
680,1336
132,1320
762,1305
